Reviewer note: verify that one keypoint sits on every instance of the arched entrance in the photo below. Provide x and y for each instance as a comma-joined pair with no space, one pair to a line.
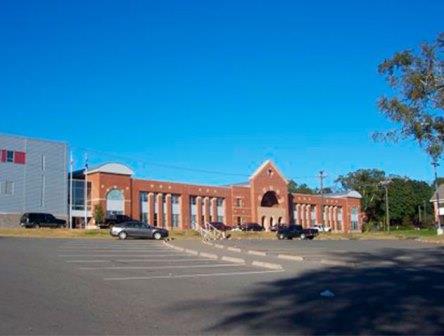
270,200
271,210
263,221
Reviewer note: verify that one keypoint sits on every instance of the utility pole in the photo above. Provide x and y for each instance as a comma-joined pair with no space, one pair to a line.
70,189
385,184
419,215
435,165
321,180
86,189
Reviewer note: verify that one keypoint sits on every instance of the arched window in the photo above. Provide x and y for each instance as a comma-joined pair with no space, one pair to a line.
115,202
269,199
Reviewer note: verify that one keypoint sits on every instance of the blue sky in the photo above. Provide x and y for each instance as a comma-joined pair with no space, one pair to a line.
211,85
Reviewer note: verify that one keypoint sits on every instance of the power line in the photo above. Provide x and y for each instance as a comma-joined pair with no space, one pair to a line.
161,165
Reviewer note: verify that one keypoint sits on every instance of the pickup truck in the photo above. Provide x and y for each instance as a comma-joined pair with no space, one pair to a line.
296,231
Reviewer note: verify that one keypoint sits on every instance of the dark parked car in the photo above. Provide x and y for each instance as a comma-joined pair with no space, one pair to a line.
113,220
220,226
36,220
296,231
251,227
277,227
137,229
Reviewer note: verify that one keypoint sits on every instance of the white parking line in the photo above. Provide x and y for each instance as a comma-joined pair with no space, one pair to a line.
197,275
160,260
117,251
117,255
87,261
160,267
135,260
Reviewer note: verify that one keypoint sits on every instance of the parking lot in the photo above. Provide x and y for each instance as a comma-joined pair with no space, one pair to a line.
144,260
85,286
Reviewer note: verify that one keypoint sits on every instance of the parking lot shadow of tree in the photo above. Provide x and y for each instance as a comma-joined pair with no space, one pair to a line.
386,293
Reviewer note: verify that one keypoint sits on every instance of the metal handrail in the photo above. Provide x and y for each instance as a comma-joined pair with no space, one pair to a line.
210,232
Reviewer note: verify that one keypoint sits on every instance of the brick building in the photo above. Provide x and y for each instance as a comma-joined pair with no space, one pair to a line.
263,199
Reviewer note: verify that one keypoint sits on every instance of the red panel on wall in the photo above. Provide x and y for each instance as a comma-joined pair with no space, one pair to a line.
3,156
20,157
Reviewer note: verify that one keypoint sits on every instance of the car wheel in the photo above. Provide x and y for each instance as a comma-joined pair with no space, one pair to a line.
303,236
281,236
157,236
122,235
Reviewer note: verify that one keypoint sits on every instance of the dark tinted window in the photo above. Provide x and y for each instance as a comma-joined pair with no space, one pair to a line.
50,217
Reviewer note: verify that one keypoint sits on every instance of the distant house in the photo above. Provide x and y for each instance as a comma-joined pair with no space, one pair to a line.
438,210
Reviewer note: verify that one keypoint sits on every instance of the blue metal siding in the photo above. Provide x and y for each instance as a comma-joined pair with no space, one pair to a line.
38,187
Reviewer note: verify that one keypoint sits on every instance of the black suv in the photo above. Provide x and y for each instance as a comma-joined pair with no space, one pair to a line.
251,227
296,231
36,220
113,220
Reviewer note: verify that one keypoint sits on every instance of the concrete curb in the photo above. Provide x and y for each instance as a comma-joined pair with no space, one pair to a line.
258,253
235,260
193,252
208,255
290,257
212,256
266,265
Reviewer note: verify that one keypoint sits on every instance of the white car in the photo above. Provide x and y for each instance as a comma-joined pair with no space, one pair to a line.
321,228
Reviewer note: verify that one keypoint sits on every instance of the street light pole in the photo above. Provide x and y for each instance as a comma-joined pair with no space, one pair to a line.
435,165
321,178
387,210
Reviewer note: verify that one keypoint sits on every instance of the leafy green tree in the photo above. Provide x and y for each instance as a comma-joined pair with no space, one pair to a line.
99,214
417,105
367,183
303,188
405,198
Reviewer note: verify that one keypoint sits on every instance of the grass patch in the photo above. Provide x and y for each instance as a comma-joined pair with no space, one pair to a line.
55,233
426,235
251,235
81,233
184,234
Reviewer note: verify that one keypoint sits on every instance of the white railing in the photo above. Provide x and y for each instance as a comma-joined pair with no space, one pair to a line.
209,232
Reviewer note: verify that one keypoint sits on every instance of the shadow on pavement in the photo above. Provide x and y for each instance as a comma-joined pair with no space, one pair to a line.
404,295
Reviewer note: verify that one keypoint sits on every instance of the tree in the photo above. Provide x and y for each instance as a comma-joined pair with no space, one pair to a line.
303,188
99,214
405,198
366,182
417,106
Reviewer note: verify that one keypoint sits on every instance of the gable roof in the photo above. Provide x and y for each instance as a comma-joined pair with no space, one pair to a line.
441,194
349,194
263,165
112,168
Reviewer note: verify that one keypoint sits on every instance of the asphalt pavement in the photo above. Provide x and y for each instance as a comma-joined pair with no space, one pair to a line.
84,286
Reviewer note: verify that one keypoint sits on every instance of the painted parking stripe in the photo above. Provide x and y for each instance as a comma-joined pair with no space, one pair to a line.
116,255
163,260
160,267
197,275
119,251
87,261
